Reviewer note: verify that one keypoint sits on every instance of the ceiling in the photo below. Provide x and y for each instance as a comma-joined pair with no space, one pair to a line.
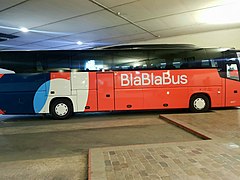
59,24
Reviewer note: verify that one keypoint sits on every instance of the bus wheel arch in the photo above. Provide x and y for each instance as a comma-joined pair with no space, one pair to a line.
199,102
61,108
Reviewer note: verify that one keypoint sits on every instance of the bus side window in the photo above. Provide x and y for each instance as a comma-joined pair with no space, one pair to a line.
232,72
39,66
220,65
184,65
170,66
205,63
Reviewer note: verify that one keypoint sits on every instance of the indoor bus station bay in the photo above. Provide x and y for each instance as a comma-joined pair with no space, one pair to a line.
119,90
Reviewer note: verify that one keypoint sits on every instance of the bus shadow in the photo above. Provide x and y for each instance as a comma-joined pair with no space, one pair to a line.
15,118
101,115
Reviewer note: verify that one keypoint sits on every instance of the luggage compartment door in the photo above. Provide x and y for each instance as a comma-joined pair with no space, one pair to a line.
105,88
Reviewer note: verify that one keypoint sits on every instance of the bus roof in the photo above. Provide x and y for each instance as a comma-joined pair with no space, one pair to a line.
152,46
121,47
127,47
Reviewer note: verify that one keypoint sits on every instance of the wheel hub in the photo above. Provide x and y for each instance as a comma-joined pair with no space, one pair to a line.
61,109
199,103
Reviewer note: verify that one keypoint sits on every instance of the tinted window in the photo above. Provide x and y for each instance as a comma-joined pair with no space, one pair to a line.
217,60
130,59
40,61
91,60
178,59
54,60
19,62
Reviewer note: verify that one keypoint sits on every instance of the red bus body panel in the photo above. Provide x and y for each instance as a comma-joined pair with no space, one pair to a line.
158,89
129,99
105,89
149,89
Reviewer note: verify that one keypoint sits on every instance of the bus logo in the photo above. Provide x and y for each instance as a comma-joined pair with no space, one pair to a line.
146,79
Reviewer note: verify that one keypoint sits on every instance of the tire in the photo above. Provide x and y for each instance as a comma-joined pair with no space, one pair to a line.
199,103
61,109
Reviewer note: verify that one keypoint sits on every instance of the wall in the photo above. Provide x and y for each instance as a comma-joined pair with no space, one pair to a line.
221,38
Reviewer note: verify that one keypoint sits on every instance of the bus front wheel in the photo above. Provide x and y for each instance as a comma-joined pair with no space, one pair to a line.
199,103
61,109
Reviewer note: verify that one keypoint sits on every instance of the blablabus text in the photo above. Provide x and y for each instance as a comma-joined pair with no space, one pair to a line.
146,79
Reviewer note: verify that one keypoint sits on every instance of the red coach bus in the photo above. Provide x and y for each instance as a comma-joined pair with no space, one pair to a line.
134,77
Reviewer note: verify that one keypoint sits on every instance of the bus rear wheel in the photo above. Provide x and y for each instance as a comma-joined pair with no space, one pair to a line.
61,109
199,103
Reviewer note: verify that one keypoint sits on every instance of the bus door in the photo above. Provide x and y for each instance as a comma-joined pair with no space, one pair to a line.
105,88
232,84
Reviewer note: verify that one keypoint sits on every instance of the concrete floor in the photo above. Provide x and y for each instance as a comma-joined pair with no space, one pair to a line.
221,124
32,147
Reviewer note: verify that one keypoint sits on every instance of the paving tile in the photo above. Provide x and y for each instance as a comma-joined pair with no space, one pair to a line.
163,164
166,178
129,177
154,177
216,161
111,152
107,162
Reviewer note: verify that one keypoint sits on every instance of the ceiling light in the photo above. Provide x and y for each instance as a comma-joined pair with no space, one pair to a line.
136,64
225,14
23,29
79,43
